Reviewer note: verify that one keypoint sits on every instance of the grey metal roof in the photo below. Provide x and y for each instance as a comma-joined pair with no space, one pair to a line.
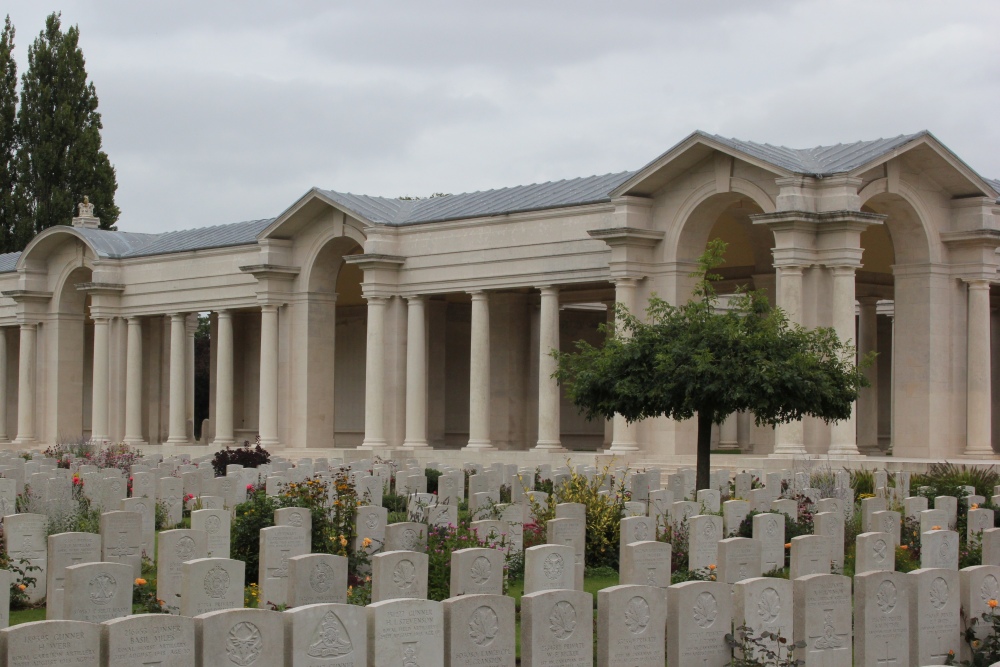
821,160
114,244
219,236
538,196
8,261
995,184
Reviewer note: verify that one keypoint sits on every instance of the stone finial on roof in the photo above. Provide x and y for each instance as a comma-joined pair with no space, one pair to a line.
86,217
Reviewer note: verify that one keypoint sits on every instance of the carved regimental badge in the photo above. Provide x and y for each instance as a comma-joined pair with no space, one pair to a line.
244,644
217,582
102,589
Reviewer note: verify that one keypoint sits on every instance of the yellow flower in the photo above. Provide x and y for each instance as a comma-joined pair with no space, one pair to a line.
140,582
975,506
365,543
343,541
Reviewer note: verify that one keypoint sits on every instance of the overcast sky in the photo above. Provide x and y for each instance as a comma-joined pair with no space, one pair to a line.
217,112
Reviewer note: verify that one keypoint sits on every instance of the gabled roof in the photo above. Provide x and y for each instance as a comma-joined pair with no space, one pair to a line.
821,160
535,197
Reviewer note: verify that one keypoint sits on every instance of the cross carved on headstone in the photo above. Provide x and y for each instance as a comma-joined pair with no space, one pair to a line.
886,661
942,653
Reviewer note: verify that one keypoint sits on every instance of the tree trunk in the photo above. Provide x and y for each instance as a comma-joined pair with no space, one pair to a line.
704,449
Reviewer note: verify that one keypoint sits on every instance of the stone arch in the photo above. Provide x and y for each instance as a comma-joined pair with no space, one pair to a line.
708,213
70,333
907,224
333,321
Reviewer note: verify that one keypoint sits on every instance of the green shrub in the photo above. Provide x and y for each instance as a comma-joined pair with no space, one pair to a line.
256,513
947,479
432,479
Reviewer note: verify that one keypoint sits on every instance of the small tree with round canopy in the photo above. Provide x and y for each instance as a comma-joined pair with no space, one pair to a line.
697,359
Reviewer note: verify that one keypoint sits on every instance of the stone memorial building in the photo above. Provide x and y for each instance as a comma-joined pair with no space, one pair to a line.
353,320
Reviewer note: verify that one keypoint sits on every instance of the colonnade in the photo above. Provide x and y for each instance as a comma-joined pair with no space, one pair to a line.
846,438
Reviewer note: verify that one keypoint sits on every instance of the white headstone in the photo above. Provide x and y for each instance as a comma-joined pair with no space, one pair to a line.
557,627
320,635
631,624
97,592
405,632
699,616
479,630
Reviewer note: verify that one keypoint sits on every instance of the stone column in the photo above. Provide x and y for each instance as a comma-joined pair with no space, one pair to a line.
177,425
26,386
133,383
416,372
548,388
191,327
728,433
3,385
268,414
479,374
979,396
99,394
224,380
623,434
844,433
789,439
867,407
375,374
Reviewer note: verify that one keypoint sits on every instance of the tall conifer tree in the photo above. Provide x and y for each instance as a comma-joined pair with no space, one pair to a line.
60,158
8,138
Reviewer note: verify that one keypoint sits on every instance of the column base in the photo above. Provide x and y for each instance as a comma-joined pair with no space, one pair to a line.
177,442
373,444
622,448
844,450
134,442
479,446
979,454
24,442
224,442
415,444
98,439
786,454
729,446
270,443
549,446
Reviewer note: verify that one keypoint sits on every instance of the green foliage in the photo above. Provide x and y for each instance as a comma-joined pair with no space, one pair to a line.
983,637
947,479
604,513
246,456
763,649
249,517
59,160
691,359
25,577
441,542
432,479
863,482
8,138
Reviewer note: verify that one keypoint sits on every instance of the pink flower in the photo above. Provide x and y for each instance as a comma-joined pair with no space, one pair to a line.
249,487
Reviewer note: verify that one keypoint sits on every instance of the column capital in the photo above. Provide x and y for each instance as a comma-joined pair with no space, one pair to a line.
269,308
133,320
377,300
479,295
977,284
416,298
549,290
843,269
28,326
224,313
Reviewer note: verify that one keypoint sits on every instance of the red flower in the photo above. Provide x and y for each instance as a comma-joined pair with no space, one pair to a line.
249,487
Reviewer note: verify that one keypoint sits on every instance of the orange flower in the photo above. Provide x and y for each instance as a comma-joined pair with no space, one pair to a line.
992,603
903,547
22,587
935,527
788,545
711,567
975,506
140,581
